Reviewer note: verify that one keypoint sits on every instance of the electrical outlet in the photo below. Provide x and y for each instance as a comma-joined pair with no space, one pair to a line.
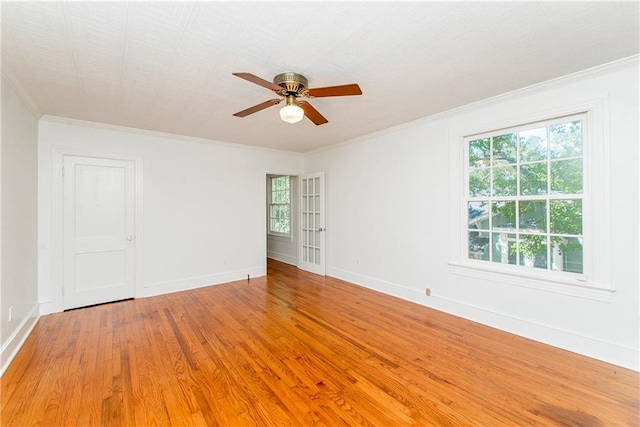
10,314
428,292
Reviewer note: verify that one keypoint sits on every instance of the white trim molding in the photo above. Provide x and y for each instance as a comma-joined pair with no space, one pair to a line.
162,288
584,289
16,340
597,224
159,134
589,73
55,304
287,259
597,349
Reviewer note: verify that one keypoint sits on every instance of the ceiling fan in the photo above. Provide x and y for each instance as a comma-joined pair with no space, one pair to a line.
291,86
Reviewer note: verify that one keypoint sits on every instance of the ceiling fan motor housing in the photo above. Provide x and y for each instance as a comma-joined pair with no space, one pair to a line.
291,83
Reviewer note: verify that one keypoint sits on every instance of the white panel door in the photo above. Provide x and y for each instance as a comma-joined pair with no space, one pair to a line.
98,233
311,247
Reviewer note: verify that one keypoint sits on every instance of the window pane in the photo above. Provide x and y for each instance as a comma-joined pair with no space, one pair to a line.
566,216
479,245
275,184
479,183
566,254
566,176
504,181
533,179
478,215
533,216
280,225
281,211
504,149
479,153
280,183
565,140
280,197
503,216
504,248
533,145
533,250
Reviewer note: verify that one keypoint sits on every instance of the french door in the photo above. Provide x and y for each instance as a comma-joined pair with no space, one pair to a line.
311,247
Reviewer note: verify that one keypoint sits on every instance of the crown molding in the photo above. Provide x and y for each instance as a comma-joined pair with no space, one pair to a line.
22,94
628,62
165,135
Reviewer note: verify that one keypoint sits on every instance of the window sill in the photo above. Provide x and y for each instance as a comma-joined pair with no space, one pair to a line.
575,287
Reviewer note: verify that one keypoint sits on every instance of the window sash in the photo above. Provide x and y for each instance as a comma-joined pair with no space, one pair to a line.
487,167
279,202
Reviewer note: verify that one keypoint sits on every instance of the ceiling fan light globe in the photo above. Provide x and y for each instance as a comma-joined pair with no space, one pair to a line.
291,113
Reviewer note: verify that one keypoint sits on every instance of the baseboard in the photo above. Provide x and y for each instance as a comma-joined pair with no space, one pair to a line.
154,289
287,259
160,288
48,307
597,349
15,341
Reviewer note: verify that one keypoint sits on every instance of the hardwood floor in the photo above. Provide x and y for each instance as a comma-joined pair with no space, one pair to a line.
299,349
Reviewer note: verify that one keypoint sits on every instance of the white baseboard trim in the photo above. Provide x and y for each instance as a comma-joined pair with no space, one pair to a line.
597,349
48,307
161,288
15,341
288,259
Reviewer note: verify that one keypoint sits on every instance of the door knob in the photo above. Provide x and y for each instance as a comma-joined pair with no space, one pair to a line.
129,237
321,229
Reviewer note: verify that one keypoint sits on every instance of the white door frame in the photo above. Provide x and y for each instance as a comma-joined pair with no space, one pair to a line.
57,225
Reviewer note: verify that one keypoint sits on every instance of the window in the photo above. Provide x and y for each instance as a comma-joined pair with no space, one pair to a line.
524,196
280,205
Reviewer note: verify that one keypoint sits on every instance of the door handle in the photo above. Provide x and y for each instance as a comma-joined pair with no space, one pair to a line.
321,229
129,237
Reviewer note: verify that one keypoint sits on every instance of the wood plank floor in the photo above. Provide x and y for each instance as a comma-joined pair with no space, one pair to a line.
299,349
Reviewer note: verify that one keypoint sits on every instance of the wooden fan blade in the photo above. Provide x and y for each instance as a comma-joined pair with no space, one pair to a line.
344,90
312,114
257,80
257,108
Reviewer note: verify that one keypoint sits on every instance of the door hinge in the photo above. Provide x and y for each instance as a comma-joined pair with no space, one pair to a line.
63,171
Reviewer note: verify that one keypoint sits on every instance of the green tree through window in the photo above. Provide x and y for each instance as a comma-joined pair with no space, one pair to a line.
280,205
524,197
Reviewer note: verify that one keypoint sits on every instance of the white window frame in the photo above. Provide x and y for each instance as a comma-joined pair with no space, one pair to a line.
595,281
547,197
270,204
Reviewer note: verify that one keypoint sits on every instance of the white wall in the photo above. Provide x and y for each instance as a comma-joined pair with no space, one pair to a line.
19,289
389,218
203,205
281,248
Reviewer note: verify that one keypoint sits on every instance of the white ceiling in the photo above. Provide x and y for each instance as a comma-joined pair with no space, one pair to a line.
166,66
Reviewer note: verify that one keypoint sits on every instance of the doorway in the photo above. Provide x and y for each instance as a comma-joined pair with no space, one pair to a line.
295,220
282,218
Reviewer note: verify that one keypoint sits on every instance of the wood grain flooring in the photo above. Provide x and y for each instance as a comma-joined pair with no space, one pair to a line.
298,349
